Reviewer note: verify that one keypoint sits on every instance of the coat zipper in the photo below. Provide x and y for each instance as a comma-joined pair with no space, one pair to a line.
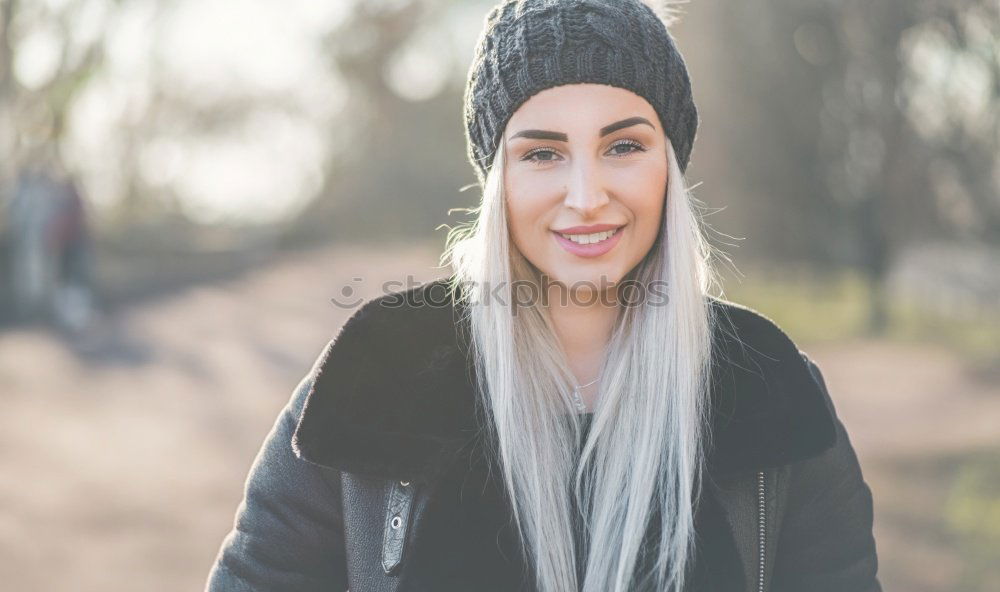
760,530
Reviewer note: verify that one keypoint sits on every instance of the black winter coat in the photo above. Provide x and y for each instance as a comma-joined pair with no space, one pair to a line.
374,478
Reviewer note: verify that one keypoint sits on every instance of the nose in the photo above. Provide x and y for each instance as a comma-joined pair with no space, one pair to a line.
586,192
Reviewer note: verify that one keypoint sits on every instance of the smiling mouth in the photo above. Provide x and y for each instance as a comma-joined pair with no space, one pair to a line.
592,238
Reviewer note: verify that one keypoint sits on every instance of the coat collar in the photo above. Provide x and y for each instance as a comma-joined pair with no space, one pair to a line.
393,394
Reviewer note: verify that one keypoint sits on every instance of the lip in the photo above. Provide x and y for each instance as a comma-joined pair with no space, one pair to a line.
588,229
593,249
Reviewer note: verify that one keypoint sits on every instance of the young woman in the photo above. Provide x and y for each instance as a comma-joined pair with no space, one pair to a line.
571,409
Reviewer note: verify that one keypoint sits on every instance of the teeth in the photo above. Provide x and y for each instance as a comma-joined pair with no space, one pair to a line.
587,239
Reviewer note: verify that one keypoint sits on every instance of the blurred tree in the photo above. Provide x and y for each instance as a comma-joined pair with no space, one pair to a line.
46,59
767,117
866,126
394,171
911,110
950,92
44,63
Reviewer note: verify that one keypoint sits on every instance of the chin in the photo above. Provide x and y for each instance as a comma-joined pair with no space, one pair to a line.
593,274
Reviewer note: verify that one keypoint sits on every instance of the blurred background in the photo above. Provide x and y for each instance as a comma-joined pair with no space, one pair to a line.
185,185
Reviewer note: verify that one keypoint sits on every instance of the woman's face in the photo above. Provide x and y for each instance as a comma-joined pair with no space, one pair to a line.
585,178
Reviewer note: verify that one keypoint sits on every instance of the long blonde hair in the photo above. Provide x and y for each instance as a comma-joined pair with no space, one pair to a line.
644,453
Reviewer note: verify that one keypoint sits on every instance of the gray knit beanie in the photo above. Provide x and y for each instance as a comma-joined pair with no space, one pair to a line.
527,46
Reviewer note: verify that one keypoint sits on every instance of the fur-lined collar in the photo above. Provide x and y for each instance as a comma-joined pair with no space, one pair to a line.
393,394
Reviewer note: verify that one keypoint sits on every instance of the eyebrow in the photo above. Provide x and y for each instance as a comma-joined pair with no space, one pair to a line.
561,137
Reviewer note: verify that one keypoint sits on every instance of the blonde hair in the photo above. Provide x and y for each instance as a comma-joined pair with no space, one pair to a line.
644,453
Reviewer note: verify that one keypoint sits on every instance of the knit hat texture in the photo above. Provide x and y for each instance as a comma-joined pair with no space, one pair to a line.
527,46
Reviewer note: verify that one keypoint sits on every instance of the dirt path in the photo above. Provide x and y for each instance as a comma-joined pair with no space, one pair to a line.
908,400
918,419
122,466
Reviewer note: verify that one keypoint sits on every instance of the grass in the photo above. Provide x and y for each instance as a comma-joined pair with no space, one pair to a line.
949,503
817,307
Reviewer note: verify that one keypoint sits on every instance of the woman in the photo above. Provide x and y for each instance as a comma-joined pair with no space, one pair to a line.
570,409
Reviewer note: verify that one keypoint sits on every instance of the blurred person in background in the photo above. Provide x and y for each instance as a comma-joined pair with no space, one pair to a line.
49,247
72,249
445,440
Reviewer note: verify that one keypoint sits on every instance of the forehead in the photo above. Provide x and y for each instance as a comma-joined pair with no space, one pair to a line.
581,107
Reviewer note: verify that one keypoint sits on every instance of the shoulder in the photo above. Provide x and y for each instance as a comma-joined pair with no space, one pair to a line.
739,322
769,404
402,314
391,387
743,334
761,339
394,327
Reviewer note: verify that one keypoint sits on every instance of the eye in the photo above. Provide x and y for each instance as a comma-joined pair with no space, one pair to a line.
632,144
530,156
628,143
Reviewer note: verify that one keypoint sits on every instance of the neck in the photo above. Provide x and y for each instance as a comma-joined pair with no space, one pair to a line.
583,329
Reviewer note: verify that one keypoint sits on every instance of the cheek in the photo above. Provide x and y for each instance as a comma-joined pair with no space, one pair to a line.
518,218
646,204
527,207
523,224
